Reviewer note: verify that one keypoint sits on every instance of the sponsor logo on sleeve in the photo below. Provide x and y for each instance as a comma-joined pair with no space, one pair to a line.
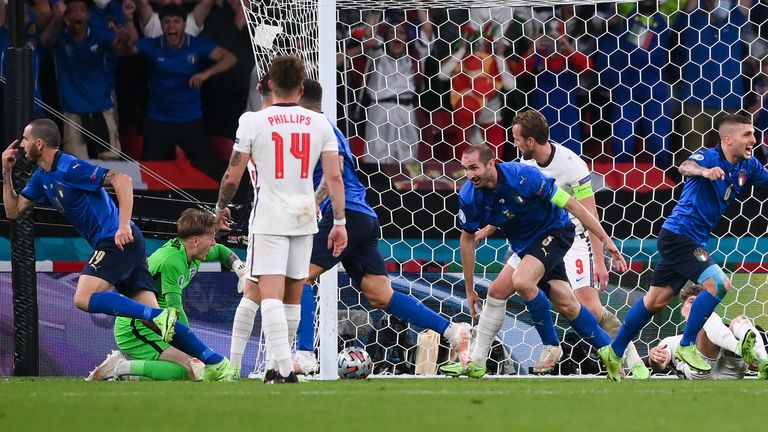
462,217
697,156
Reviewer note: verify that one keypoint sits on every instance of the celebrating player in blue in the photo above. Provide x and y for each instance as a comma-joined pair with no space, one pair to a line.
528,208
716,177
362,260
76,188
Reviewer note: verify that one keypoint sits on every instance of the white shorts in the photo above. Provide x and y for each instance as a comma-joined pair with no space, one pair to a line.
278,255
724,367
578,262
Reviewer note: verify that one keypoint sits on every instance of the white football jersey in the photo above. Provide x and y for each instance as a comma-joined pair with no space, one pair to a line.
284,142
723,367
568,170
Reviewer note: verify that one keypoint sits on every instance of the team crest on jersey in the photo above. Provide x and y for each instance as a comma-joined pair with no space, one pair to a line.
742,178
192,59
181,280
462,216
701,254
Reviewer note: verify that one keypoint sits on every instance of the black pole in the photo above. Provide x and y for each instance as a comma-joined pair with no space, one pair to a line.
19,97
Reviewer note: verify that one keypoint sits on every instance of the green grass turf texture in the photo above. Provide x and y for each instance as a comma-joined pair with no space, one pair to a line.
55,404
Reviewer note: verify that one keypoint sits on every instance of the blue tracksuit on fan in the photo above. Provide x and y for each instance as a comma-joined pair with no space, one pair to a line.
684,236
361,257
521,207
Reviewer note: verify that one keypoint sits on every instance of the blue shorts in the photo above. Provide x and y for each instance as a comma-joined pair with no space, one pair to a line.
362,255
126,269
550,248
682,260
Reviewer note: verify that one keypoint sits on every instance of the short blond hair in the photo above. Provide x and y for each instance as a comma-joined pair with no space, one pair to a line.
194,222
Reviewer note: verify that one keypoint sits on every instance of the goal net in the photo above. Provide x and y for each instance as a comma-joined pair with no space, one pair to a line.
633,88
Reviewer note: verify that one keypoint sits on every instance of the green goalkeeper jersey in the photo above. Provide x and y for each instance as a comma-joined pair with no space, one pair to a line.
172,273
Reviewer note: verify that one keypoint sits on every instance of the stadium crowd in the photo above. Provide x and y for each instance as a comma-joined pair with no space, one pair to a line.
624,81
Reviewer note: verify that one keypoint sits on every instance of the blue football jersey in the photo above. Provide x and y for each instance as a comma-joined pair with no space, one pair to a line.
354,191
74,187
704,201
520,205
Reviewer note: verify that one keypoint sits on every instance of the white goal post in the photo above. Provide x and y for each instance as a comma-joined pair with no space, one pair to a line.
472,66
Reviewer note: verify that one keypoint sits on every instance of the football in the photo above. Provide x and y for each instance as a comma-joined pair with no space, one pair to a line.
354,363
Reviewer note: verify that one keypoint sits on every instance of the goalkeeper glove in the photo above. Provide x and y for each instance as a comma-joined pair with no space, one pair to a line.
239,268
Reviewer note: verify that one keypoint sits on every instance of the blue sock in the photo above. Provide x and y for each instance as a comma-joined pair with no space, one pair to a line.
541,315
112,303
189,343
409,309
305,335
587,327
637,317
701,309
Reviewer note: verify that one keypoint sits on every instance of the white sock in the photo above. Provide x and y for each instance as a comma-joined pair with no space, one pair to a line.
242,326
631,357
292,316
450,331
740,326
123,368
720,335
491,318
276,332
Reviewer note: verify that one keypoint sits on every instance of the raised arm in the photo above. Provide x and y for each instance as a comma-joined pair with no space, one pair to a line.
201,11
145,12
224,60
52,30
14,204
123,186
690,168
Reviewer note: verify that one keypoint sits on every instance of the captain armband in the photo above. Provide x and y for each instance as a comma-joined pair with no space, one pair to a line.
560,198
583,191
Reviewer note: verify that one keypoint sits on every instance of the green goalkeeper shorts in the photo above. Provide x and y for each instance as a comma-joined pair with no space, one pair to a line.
137,340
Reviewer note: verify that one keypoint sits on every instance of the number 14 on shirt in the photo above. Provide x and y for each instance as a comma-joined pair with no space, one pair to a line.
299,150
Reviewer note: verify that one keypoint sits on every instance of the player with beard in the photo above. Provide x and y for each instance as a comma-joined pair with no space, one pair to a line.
76,189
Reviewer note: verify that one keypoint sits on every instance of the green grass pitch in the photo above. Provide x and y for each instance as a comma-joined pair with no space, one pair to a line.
431,405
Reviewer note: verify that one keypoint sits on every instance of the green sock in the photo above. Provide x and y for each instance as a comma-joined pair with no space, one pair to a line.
159,370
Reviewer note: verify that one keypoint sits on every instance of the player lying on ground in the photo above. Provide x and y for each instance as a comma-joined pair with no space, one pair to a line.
584,261
716,177
76,189
528,207
729,350
172,267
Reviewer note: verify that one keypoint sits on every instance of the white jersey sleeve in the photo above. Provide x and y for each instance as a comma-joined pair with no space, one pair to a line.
569,171
285,143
